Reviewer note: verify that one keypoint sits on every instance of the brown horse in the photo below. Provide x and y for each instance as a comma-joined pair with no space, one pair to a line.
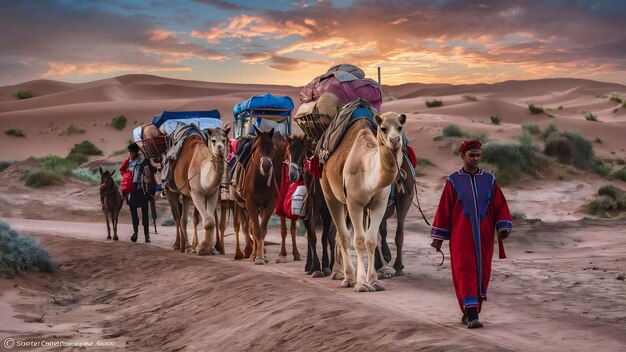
257,189
111,201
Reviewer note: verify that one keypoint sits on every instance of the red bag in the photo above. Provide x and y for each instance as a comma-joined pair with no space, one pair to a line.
411,153
314,167
289,198
282,192
127,182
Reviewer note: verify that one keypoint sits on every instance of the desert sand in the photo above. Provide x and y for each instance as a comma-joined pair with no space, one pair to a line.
556,291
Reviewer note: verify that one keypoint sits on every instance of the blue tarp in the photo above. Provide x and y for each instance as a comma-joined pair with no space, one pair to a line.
266,101
171,115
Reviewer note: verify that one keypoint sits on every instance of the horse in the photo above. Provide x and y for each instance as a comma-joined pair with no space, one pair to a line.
316,209
111,201
257,192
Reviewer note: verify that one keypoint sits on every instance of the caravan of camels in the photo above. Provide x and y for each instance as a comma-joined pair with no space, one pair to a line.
348,169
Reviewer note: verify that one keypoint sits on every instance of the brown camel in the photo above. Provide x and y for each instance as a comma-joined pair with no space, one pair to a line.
111,201
359,174
197,175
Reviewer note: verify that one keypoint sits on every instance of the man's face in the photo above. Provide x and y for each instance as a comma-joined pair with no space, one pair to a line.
471,158
133,155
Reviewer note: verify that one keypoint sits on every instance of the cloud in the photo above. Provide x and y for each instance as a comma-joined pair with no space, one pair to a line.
223,5
63,69
249,26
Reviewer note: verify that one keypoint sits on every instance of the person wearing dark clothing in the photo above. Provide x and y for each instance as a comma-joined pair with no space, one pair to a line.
138,198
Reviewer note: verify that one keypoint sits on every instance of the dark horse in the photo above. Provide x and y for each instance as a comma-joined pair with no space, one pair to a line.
257,188
111,201
399,203
315,209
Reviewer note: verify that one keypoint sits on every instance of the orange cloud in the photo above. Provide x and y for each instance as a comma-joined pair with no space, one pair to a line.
249,26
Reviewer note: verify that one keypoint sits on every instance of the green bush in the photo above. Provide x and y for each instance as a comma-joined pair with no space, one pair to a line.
616,98
56,164
513,159
119,122
534,109
81,151
14,131
589,116
22,94
620,174
571,148
495,119
549,131
433,103
518,215
601,205
453,131
87,175
42,178
469,97
531,128
4,165
19,253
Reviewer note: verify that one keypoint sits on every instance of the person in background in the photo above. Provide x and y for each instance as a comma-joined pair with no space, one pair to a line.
471,207
138,168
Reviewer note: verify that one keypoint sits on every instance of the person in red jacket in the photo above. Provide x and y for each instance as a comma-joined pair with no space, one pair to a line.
471,207
137,166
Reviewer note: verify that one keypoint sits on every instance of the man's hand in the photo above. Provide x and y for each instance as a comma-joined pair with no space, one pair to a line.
436,244
504,234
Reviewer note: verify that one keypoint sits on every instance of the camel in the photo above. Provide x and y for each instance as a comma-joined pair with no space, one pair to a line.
358,174
111,201
197,175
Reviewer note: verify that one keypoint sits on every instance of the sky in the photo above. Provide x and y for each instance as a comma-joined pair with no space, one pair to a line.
292,41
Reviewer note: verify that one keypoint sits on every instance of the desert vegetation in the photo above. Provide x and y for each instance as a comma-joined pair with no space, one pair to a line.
19,254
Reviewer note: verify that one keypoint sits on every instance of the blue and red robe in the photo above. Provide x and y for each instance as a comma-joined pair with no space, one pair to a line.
471,207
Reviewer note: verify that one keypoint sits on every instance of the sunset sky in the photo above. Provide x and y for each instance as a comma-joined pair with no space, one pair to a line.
292,41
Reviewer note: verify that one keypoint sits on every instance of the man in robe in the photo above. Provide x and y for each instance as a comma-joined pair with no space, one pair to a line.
471,207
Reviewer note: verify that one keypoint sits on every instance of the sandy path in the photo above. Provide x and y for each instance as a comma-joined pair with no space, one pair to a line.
547,296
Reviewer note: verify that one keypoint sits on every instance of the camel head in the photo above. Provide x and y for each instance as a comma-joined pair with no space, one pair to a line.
295,156
389,131
264,145
218,142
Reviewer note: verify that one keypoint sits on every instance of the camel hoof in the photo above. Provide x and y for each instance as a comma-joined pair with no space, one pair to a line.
280,259
362,288
385,273
378,286
115,238
327,271
348,283
399,272
260,261
205,251
317,274
336,275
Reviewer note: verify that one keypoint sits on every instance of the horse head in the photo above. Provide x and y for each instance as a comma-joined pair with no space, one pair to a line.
296,154
389,131
264,146
218,142
106,179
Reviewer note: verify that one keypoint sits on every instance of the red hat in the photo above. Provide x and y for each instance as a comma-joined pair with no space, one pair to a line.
469,145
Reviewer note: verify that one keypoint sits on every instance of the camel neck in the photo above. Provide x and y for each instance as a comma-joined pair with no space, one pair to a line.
388,164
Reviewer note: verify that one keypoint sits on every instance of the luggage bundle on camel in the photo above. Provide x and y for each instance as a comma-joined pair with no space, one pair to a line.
324,96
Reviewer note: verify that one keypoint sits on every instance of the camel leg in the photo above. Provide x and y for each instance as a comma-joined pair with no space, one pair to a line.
219,241
106,217
328,242
282,256
176,209
371,240
356,215
208,221
195,220
222,226
338,214
236,216
294,248
184,243
400,239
